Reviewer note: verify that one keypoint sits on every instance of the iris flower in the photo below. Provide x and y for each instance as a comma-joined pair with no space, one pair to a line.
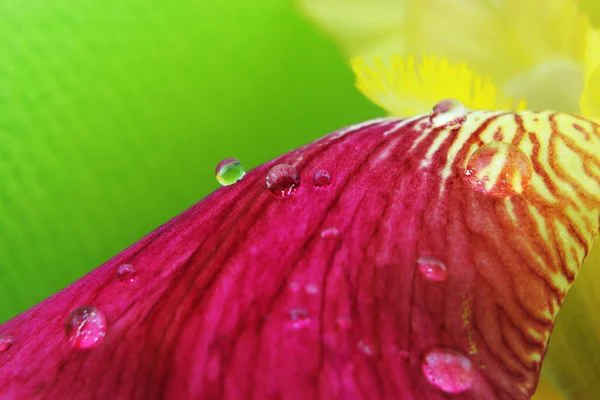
419,256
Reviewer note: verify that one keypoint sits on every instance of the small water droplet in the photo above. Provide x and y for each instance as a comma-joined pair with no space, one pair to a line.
499,169
283,180
365,348
229,171
322,179
299,318
448,370
126,273
294,287
344,322
6,341
85,327
432,268
448,113
329,233
311,288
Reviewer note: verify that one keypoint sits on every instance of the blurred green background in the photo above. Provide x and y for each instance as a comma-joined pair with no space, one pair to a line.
114,114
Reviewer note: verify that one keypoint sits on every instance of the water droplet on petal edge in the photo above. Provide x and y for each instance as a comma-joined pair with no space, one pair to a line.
499,169
448,370
229,171
85,327
448,113
283,180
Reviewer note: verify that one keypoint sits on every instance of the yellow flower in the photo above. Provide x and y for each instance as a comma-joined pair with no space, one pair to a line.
490,54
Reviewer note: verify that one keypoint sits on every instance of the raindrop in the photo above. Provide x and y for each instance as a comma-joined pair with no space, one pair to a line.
432,268
311,288
229,171
322,179
283,180
365,348
344,322
6,341
329,233
448,113
299,318
448,370
499,169
294,287
85,327
126,273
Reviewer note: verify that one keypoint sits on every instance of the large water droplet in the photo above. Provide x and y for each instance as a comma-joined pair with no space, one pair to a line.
229,171
126,273
432,268
299,318
85,327
329,233
499,169
283,180
322,179
6,341
448,113
448,370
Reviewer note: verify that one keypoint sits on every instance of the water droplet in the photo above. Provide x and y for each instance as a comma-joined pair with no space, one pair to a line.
126,273
329,233
365,348
294,287
283,180
229,171
322,179
299,318
499,169
85,327
344,322
448,113
448,370
311,288
6,341
432,268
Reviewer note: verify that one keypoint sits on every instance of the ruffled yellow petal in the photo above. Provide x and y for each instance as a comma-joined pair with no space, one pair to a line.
403,88
532,49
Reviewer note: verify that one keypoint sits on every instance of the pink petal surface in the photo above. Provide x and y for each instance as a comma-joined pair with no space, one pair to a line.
320,293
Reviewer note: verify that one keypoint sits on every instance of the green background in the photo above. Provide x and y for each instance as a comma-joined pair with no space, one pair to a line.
114,114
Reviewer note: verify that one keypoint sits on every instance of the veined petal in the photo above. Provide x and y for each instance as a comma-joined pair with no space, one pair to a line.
403,88
434,262
537,58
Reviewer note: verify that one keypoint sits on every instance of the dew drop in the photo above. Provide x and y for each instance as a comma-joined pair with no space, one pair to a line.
448,113
311,288
299,318
365,348
126,273
499,169
229,171
344,322
283,180
432,268
322,179
329,233
294,287
6,341
448,370
85,327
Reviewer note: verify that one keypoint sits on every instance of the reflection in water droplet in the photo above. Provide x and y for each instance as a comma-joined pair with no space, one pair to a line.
448,113
229,171
448,370
85,327
299,318
6,341
499,169
322,179
432,268
329,233
126,273
283,180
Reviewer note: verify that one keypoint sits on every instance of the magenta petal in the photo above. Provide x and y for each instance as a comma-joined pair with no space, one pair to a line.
396,280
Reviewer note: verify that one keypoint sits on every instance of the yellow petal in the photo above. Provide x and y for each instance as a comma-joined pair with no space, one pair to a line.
590,99
532,49
404,89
